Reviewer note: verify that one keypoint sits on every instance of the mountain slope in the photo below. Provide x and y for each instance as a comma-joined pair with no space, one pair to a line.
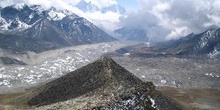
16,43
51,28
100,74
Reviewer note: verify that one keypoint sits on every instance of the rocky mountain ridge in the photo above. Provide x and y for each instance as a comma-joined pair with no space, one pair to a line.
102,84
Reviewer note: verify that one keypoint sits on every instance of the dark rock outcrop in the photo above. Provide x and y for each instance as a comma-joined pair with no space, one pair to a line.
9,61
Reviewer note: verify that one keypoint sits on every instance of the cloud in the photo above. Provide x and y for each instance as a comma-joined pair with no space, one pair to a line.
171,19
5,3
107,21
177,32
102,3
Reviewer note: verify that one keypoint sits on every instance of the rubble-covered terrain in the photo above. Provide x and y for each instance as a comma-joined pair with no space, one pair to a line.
178,71
174,71
51,64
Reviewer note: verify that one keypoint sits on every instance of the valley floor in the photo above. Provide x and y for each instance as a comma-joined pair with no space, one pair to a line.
173,76
194,99
174,72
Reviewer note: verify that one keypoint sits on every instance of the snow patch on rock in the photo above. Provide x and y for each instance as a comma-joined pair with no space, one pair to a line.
55,15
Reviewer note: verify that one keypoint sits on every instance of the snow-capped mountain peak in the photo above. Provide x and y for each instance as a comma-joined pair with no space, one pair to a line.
88,6
114,8
36,29
17,17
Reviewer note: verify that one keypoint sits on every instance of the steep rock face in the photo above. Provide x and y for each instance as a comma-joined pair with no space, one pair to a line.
51,28
99,85
44,30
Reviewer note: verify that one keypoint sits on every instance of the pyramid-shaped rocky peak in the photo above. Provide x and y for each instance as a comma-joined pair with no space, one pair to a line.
103,75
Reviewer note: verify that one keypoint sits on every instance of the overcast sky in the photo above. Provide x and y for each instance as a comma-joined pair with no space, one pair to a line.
162,19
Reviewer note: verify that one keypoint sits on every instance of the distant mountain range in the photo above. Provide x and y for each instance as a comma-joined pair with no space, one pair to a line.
131,34
89,7
31,28
205,43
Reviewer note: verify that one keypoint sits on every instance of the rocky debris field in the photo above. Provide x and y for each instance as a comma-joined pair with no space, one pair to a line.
175,72
51,64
